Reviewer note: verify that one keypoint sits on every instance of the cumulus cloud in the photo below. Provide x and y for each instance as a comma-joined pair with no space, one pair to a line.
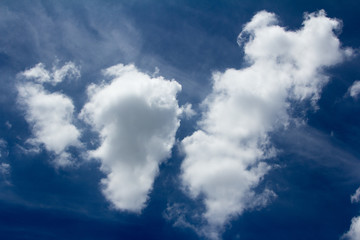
356,196
354,231
188,111
354,90
137,117
224,159
41,75
50,115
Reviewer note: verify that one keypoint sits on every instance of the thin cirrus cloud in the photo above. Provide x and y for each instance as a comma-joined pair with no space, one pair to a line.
136,117
50,115
224,159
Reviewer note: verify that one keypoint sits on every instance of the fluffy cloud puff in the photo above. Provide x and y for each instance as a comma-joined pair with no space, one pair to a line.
354,90
224,158
354,231
137,118
356,196
50,115
41,75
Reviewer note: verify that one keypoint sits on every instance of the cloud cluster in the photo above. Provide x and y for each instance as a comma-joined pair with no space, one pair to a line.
50,115
4,169
224,158
136,117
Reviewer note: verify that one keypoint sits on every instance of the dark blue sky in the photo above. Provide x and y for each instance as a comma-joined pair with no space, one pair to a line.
317,166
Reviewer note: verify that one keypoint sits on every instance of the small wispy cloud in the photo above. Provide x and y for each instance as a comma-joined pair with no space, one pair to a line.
355,198
354,89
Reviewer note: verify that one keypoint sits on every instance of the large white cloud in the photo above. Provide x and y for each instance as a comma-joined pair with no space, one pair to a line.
224,158
137,118
50,115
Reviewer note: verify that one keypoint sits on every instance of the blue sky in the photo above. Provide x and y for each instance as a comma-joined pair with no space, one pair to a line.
179,119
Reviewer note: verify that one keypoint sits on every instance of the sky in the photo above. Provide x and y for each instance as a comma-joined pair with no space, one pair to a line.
180,119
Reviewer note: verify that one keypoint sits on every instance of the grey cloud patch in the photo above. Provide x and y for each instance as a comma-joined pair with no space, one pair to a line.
137,117
3,148
225,158
179,215
5,167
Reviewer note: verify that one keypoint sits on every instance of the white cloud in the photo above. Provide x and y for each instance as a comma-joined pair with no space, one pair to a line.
354,231
137,118
3,148
38,73
50,115
224,158
187,111
69,70
356,197
41,75
4,169
354,90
